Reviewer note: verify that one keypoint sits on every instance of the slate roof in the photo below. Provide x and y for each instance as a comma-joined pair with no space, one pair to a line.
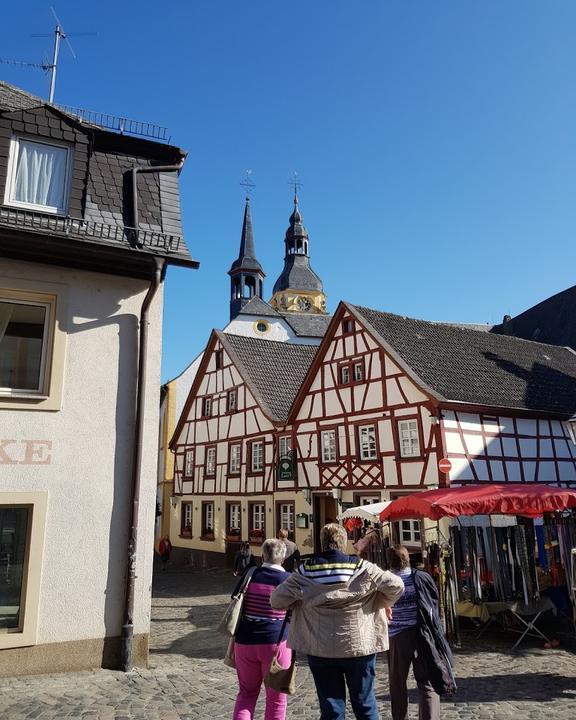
308,325
257,306
13,98
298,275
551,321
273,370
480,368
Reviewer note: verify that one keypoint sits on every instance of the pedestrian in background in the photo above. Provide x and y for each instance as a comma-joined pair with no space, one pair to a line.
243,559
292,552
427,652
338,604
259,634
165,550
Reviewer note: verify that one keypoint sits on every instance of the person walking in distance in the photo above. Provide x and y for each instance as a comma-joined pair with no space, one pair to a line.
258,635
292,552
338,604
165,550
428,653
243,559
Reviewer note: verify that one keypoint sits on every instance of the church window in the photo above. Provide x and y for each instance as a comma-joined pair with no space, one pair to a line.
367,442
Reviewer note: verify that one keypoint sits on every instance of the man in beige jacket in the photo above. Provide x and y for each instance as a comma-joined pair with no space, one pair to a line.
338,604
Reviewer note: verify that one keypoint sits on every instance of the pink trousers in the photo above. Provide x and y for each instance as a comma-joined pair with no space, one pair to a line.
252,663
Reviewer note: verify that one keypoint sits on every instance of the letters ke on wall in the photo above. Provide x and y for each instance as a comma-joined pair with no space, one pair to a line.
25,452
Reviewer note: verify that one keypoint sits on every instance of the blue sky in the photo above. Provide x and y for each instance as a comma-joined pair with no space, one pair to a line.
436,141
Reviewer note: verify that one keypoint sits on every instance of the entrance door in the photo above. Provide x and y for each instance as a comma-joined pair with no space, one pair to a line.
325,511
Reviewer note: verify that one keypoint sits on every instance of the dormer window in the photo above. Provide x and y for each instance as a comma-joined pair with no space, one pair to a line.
38,176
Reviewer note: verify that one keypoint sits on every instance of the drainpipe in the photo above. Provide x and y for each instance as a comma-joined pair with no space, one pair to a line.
127,638
148,169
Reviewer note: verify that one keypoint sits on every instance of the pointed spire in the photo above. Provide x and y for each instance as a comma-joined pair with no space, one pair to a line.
247,256
296,236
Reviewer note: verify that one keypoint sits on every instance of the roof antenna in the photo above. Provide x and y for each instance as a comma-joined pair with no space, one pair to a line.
59,34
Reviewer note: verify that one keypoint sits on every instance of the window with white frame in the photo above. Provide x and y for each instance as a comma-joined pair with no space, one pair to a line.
233,522
235,458
257,455
409,438
358,371
410,532
210,465
344,374
232,400
38,176
25,339
284,446
189,463
186,519
207,407
257,517
286,516
367,442
328,446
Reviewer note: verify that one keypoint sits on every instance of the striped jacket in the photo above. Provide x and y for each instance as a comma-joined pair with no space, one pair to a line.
338,605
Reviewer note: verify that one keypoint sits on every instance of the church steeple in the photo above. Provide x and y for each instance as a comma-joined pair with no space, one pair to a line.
246,274
298,289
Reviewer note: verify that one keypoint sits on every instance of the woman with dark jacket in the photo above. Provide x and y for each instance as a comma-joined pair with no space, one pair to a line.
417,638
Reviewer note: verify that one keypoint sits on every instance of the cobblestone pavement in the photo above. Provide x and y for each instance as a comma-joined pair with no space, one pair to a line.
187,680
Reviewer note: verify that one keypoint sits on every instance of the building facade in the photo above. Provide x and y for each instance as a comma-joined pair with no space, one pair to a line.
80,344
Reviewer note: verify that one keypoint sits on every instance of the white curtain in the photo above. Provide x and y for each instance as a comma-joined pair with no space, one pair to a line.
40,175
6,310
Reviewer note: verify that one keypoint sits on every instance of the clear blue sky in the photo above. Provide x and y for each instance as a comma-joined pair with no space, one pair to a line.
436,140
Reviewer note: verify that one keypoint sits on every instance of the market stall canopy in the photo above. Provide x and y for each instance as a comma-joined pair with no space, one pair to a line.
527,499
365,512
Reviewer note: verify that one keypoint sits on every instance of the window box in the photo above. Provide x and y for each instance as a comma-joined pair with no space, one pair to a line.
256,537
186,532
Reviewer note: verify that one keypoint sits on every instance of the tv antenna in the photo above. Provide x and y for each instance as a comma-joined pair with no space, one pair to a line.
59,35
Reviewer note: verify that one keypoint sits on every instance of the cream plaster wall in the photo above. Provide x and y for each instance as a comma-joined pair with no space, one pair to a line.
86,471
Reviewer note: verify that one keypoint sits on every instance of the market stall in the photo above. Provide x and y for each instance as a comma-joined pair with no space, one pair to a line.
365,528
518,558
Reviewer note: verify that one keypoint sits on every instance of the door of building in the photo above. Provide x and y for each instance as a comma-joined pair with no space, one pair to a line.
325,510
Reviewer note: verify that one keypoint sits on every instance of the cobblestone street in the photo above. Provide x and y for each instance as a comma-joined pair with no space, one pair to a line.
187,680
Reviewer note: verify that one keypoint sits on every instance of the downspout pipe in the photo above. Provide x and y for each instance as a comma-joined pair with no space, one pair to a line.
127,638
148,169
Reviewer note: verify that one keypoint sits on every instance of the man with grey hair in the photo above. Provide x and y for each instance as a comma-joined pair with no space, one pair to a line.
338,604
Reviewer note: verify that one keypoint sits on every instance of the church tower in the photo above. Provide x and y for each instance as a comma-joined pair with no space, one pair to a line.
298,289
246,274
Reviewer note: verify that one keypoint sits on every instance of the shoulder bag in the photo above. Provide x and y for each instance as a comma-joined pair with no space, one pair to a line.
279,678
231,618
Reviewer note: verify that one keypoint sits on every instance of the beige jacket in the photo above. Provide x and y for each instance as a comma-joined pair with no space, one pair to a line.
346,619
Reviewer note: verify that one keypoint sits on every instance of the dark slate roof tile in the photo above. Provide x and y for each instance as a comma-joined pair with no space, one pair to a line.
308,325
273,370
480,368
257,306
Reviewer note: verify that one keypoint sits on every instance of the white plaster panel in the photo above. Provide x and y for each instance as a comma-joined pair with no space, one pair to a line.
567,471
475,444
507,425
510,447
491,426
385,438
316,383
87,475
408,410
236,424
317,406
346,398
481,468
251,425
497,468
374,396
529,471
338,349
372,345
390,471
375,366
328,379
493,446
544,427
469,421
411,473
561,448
431,476
391,367
461,470
547,472
349,345
413,394
546,448
528,448
513,471
556,428
454,443
359,404
304,411
244,325
526,426
449,420
393,393
306,427
360,344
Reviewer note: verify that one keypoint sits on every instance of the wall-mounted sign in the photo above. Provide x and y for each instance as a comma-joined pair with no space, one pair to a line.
286,469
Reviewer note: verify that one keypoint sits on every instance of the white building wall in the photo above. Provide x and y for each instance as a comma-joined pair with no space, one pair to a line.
86,470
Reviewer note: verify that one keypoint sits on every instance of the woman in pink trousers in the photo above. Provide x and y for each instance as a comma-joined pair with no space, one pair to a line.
258,634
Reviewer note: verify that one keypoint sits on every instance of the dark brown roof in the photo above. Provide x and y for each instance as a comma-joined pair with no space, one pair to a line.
273,370
480,368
